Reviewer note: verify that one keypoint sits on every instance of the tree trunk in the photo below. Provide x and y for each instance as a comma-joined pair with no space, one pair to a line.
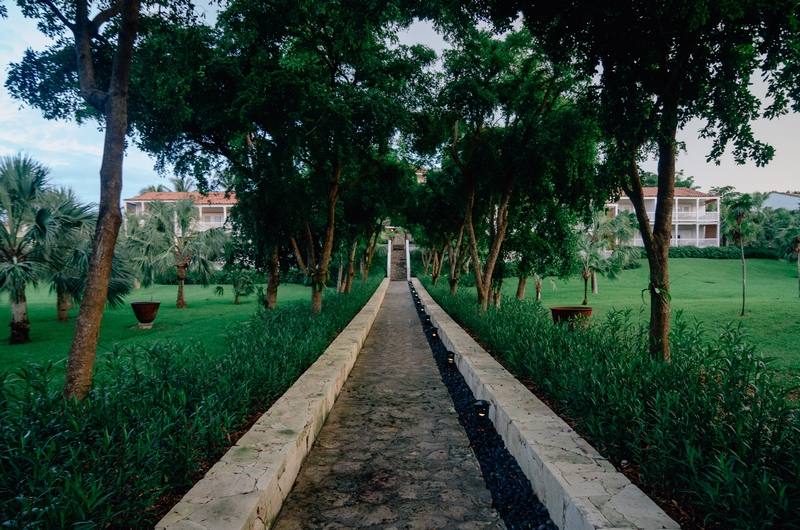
371,252
351,268
235,297
181,268
339,274
744,275
594,282
498,223
80,367
20,325
586,277
321,270
437,265
656,240
63,303
426,262
523,281
538,284
273,279
497,294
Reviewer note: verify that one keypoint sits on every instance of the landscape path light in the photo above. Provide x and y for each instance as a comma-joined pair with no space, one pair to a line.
451,358
481,410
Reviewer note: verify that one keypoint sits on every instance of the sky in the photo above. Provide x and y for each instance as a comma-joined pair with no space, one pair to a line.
74,152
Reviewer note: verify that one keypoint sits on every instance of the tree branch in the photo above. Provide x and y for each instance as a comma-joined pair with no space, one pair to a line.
299,256
104,16
60,16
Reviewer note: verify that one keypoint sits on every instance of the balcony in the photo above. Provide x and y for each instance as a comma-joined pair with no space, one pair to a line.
202,226
690,217
683,242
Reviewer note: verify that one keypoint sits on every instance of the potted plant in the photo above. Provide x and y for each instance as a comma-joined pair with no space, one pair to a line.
141,248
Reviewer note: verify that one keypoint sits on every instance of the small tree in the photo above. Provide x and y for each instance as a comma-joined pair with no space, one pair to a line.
172,228
591,261
741,228
242,283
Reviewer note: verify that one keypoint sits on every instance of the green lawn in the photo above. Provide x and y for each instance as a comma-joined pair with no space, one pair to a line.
205,320
709,291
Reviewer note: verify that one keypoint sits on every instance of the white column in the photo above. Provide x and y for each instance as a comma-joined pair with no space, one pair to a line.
408,261
389,260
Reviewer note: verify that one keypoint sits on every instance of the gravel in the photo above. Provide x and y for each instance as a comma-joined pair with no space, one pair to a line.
512,495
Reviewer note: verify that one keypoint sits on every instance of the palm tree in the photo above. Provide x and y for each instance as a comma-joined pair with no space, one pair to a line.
183,183
591,261
740,224
34,223
154,187
172,229
69,257
242,283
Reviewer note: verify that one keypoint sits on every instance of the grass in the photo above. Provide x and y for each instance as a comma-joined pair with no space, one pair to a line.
709,291
205,320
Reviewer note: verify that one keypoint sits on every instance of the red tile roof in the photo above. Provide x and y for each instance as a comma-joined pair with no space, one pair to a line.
679,192
213,197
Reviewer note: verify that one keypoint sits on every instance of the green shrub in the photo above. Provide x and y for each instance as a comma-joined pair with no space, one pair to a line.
712,425
761,253
155,416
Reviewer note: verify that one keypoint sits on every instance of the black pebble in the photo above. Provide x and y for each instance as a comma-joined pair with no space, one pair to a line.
512,495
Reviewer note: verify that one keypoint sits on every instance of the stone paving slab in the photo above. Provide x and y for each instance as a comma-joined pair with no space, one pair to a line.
245,489
580,488
392,454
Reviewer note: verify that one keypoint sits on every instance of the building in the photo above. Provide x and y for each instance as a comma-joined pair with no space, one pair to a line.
695,216
214,208
777,199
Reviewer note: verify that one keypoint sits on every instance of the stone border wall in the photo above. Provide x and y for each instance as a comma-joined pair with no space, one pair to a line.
246,488
580,488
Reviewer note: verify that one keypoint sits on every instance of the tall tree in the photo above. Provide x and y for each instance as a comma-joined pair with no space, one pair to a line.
660,65
86,73
523,134
323,87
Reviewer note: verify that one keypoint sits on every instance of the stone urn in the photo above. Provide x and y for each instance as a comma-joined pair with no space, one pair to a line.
145,313
572,314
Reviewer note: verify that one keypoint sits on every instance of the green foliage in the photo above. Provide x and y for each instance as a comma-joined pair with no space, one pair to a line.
712,424
156,413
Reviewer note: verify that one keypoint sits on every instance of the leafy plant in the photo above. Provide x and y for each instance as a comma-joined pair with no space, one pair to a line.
155,415
713,426
242,283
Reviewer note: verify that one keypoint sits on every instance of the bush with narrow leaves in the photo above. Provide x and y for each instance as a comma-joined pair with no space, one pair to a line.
156,416
712,426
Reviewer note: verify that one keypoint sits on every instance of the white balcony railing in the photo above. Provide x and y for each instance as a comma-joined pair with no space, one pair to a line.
683,242
693,217
206,225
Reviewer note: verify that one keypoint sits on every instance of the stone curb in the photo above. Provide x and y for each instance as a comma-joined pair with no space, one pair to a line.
580,488
246,488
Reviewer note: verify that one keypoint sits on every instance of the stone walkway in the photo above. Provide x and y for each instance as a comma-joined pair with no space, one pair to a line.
392,453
